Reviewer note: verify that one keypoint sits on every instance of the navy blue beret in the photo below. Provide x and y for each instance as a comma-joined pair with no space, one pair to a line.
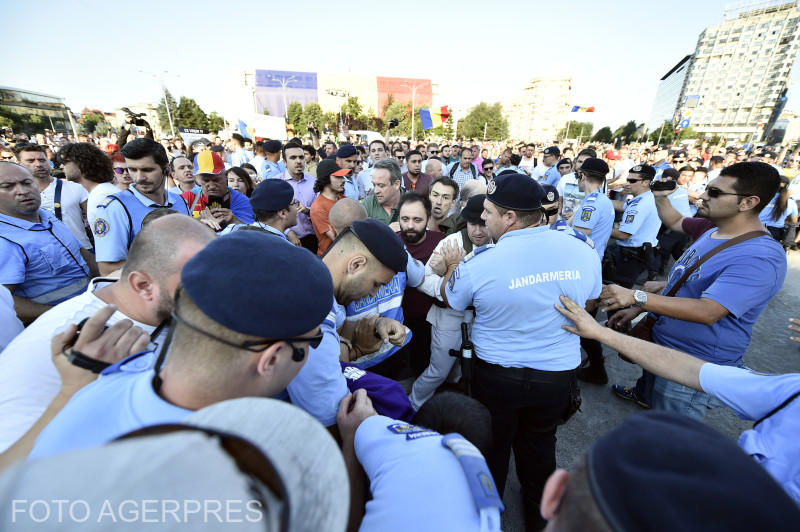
273,146
383,243
517,192
272,195
473,209
256,284
663,471
552,150
550,194
644,170
594,165
347,150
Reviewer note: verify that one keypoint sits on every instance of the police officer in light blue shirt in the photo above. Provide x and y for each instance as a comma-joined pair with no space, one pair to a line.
637,234
120,218
272,168
40,259
274,207
595,214
548,173
526,363
240,334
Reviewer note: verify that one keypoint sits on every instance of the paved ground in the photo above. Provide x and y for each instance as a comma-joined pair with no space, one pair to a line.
770,351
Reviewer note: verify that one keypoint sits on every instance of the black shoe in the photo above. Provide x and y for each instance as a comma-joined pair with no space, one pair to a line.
593,373
629,394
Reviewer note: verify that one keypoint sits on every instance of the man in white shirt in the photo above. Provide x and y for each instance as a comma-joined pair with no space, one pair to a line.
65,199
85,164
144,294
528,161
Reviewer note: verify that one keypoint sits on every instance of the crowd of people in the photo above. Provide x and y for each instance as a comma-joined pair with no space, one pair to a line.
328,335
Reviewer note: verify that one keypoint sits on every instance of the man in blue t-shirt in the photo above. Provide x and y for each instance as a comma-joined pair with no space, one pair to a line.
712,315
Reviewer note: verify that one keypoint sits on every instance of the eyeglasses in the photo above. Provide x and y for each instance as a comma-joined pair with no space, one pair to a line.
119,170
714,192
488,168
433,152
249,459
297,354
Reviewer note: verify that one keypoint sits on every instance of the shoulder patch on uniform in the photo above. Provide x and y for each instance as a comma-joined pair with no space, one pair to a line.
412,432
586,213
105,202
629,218
100,227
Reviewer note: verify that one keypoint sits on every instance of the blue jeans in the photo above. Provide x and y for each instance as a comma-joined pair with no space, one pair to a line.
673,397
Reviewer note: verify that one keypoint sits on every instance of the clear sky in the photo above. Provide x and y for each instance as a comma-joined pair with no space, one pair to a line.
91,52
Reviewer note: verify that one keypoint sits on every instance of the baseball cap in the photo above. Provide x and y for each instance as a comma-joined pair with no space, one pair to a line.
612,155
473,209
328,167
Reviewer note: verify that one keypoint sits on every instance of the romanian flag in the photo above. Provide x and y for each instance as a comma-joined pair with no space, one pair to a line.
245,131
579,109
208,162
432,118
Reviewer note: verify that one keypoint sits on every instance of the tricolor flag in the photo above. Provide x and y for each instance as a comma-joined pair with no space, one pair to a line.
432,118
245,131
579,109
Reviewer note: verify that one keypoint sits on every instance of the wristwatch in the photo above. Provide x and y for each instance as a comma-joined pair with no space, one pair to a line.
640,298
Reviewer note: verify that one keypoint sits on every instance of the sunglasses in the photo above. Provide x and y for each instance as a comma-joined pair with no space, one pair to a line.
297,354
399,157
433,151
119,170
249,459
632,180
714,192
488,168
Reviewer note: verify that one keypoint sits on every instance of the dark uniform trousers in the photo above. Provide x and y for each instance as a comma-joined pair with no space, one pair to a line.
527,406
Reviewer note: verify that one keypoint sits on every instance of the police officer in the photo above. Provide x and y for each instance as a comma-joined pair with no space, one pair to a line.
274,207
547,173
41,262
120,219
526,364
637,234
550,204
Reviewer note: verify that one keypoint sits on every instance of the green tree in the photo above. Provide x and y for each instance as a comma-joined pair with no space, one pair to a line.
575,129
688,133
90,121
603,135
352,111
332,119
627,133
400,111
6,122
163,117
190,115
666,133
102,128
215,122
447,129
311,113
294,114
265,111
483,115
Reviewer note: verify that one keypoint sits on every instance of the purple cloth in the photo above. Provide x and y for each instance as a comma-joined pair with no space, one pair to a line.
388,396
304,193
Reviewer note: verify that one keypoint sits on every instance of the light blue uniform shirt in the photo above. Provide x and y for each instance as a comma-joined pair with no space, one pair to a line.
514,286
596,213
766,214
271,170
364,182
415,482
43,259
120,220
353,188
239,157
773,442
641,221
680,201
551,177
320,386
121,400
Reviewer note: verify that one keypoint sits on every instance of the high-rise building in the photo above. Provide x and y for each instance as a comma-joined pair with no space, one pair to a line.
737,81
668,94
540,111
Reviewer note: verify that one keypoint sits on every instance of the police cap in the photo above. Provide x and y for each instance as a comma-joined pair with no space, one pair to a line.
473,209
550,194
291,300
593,165
657,462
272,195
347,150
644,170
382,242
273,146
552,150
517,192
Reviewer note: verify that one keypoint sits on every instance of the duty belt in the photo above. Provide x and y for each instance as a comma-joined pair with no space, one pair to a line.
528,374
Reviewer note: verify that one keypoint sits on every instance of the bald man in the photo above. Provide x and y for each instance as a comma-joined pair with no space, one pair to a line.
344,212
434,168
144,294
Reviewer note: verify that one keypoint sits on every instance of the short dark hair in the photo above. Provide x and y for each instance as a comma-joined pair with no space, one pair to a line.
30,147
448,412
754,179
462,150
413,152
686,168
143,147
238,138
378,141
413,197
716,159
701,169
264,216
308,148
446,181
289,146
587,151
92,162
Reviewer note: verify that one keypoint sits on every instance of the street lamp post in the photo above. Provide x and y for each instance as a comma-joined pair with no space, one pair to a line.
413,101
164,93
284,81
